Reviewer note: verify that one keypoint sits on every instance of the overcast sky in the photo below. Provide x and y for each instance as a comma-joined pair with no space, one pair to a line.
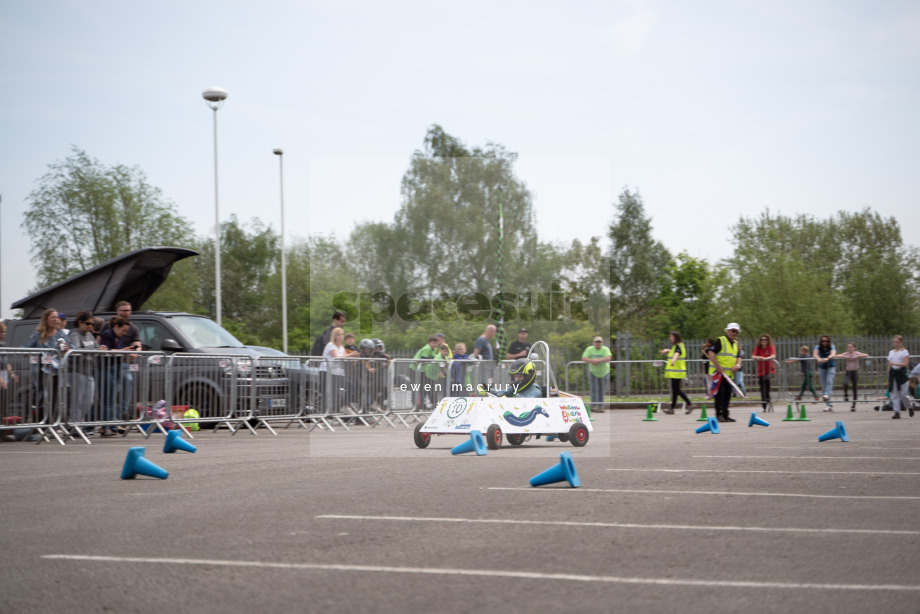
711,110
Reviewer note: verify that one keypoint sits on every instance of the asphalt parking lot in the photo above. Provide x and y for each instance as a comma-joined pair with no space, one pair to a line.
753,519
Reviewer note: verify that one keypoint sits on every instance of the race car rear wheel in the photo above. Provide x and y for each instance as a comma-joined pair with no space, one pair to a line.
516,439
563,437
494,437
578,434
421,439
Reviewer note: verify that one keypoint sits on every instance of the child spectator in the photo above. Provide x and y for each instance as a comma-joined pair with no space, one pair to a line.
804,361
852,370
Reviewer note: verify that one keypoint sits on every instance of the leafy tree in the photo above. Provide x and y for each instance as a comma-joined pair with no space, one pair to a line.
877,274
688,298
448,220
800,275
83,213
637,261
443,243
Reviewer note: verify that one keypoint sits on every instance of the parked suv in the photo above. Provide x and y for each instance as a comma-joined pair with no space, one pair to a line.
223,386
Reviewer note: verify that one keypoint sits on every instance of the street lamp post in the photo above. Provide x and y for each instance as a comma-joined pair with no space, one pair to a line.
284,325
214,97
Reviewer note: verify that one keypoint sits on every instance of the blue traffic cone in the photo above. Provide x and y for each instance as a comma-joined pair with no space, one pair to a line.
476,443
136,464
563,472
838,432
175,442
550,438
712,425
757,420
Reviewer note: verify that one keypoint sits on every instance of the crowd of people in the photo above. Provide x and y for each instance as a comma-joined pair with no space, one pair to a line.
724,369
438,367
440,370
86,371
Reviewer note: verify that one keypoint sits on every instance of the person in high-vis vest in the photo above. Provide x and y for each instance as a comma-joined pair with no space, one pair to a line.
675,370
724,356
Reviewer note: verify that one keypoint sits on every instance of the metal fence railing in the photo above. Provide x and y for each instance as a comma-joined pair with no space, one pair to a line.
51,396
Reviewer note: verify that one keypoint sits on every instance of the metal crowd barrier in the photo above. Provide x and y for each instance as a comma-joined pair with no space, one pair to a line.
87,392
643,381
29,392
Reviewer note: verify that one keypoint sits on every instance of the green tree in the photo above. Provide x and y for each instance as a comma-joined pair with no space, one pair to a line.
443,242
688,298
636,263
800,275
448,220
877,273
83,213
783,277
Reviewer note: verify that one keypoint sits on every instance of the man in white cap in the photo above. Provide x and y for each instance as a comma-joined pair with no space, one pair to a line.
725,357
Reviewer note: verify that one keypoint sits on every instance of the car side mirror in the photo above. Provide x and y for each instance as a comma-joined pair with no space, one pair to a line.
170,345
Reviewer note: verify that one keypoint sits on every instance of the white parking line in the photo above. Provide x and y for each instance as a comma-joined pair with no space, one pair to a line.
766,471
893,458
825,448
489,573
613,525
701,492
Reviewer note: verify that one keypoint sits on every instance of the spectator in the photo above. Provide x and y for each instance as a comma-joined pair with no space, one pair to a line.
334,352
442,340
898,378
725,357
739,374
8,377
319,346
349,344
49,337
708,368
352,369
62,324
912,382
114,338
824,354
381,348
133,340
519,347
482,350
444,359
428,372
460,371
805,364
372,369
675,370
98,325
850,375
83,368
598,356
764,355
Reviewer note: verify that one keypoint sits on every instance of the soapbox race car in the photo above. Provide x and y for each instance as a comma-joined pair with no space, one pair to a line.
514,419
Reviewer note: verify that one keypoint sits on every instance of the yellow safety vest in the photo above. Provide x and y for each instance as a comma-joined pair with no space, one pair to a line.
679,369
728,357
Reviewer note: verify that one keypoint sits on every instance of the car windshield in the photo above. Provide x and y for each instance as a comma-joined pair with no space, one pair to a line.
205,333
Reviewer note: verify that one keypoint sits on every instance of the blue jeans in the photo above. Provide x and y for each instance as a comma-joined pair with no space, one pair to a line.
826,377
111,391
598,387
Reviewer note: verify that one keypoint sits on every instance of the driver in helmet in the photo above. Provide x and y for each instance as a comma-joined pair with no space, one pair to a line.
523,381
